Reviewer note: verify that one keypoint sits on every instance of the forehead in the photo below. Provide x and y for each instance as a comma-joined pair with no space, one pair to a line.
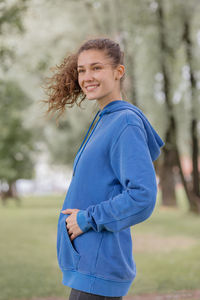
88,57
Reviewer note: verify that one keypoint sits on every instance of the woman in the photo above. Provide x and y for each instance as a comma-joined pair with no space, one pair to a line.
113,186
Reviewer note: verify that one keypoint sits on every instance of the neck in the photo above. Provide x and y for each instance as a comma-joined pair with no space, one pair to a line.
103,102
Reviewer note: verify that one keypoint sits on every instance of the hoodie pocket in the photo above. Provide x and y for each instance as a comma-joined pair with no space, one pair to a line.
88,245
67,255
115,258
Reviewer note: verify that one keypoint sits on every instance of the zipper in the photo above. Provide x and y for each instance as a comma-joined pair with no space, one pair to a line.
80,151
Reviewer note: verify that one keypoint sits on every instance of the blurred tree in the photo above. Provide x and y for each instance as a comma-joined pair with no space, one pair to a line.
170,151
10,21
192,188
16,141
182,13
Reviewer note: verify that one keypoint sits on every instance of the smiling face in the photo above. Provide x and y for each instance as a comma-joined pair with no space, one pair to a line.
97,77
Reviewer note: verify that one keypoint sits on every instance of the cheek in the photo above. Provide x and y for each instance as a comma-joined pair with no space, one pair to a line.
107,81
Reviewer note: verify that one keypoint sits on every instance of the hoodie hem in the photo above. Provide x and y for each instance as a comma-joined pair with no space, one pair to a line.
95,285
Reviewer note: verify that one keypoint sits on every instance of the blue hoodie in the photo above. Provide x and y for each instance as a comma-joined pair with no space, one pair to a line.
114,186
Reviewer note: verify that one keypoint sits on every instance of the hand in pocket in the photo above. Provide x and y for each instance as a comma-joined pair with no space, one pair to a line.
71,223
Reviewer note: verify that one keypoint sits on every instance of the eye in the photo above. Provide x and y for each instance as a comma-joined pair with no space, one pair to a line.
97,68
79,71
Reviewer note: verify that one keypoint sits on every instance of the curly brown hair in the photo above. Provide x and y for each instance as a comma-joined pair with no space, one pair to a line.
63,88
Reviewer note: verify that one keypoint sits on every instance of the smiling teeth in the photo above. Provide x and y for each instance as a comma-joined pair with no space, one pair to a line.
91,87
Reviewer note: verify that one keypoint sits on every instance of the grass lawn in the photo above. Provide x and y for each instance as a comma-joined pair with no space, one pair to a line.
166,248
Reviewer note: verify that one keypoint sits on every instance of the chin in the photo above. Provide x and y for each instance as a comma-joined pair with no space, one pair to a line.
91,97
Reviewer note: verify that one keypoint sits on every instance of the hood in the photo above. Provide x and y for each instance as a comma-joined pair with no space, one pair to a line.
153,139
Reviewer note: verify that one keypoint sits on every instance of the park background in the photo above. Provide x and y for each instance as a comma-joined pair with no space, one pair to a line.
161,42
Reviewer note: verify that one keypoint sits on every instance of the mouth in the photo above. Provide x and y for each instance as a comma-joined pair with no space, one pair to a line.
91,88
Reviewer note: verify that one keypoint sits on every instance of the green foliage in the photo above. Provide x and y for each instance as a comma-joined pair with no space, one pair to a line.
16,141
11,13
10,21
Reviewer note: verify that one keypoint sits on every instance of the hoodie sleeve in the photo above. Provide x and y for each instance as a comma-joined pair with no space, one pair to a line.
132,164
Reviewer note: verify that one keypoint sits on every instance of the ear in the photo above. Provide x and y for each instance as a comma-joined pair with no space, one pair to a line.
120,71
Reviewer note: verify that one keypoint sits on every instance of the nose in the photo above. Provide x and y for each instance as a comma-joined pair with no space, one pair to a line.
87,76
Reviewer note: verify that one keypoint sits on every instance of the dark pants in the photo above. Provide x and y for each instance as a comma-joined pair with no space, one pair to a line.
80,295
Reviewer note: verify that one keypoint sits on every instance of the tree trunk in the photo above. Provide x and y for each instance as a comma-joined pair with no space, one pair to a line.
167,179
10,193
193,187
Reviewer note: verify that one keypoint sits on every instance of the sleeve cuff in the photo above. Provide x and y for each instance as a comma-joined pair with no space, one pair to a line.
81,219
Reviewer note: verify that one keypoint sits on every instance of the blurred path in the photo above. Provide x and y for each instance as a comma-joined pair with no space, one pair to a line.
179,295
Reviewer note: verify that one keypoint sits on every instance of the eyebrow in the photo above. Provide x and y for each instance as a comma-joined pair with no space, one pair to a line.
91,64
